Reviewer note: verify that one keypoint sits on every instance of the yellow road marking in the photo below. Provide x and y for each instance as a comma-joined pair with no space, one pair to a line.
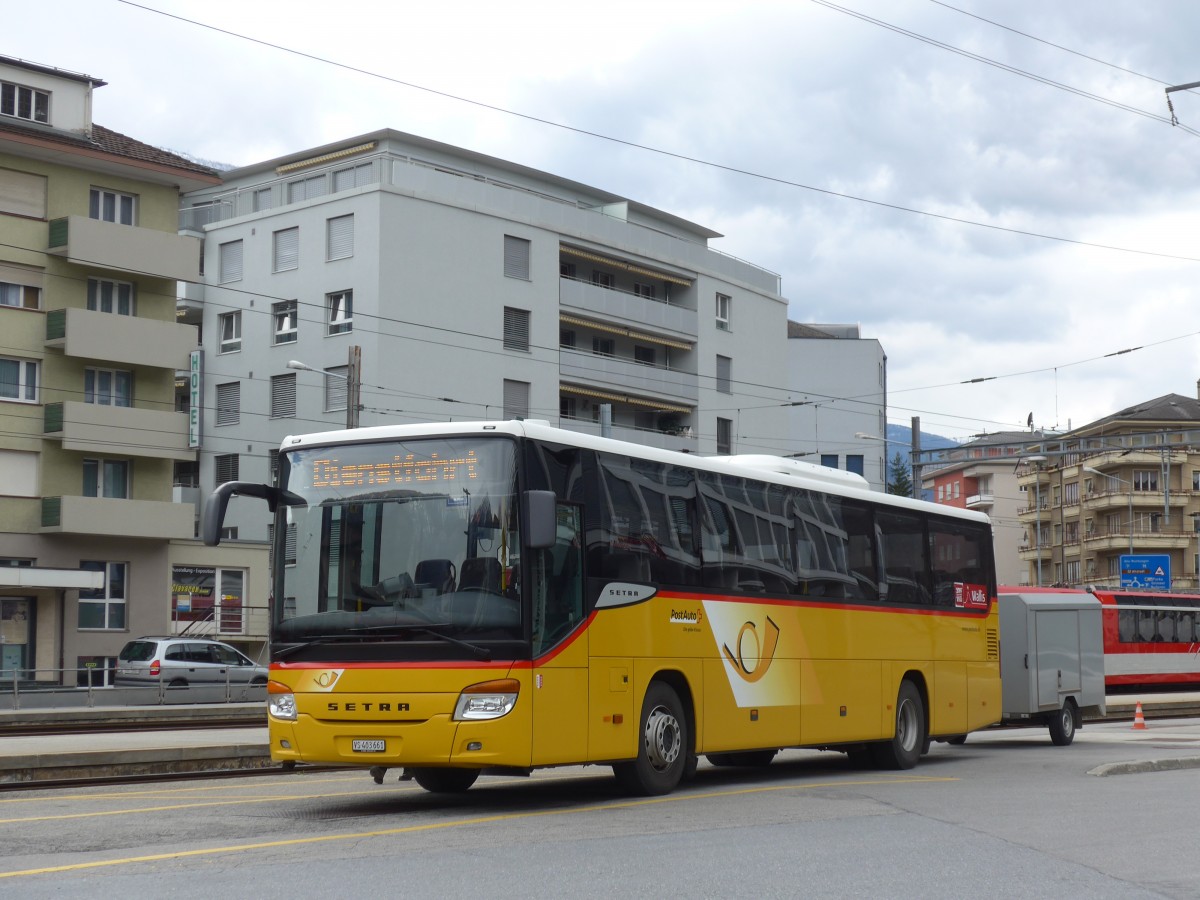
457,823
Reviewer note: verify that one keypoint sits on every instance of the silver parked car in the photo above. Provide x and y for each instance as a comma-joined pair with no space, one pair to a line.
180,661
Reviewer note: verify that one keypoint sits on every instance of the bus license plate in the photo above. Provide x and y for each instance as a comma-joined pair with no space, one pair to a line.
368,746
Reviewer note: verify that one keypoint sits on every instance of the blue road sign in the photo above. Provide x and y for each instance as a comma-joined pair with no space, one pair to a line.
1147,573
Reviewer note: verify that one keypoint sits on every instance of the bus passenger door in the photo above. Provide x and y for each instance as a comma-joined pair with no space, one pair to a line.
560,652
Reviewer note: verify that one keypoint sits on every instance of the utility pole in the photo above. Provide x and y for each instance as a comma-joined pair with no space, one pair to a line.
1178,87
916,457
353,386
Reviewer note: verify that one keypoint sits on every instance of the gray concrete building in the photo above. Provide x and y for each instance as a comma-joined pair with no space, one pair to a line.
839,408
444,284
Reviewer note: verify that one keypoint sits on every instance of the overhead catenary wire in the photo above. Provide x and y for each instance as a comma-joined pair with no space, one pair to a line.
683,157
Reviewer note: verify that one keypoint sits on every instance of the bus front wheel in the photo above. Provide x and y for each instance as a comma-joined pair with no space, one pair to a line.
903,751
663,748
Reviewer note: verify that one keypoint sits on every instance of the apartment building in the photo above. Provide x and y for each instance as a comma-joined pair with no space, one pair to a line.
89,259
389,278
839,416
1127,484
981,474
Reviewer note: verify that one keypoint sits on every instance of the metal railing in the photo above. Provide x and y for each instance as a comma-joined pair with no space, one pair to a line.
52,689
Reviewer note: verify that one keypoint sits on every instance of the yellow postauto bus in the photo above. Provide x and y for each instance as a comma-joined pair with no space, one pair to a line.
471,598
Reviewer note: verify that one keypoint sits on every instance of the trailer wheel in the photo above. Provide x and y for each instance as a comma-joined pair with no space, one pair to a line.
903,751
1062,725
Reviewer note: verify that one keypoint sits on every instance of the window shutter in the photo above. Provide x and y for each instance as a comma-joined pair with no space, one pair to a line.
287,250
229,403
336,388
227,468
283,395
231,261
724,373
289,548
340,238
22,194
516,257
516,329
516,399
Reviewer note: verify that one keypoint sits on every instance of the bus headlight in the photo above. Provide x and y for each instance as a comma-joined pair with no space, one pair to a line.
487,700
281,702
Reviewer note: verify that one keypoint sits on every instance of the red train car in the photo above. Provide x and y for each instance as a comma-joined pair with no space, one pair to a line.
1150,639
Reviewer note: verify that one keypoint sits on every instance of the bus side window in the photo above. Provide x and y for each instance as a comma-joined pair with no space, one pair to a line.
860,551
957,555
905,565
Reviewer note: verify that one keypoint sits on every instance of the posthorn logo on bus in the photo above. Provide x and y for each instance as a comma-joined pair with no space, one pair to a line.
754,654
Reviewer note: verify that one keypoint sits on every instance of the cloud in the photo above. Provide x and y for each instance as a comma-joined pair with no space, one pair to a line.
795,92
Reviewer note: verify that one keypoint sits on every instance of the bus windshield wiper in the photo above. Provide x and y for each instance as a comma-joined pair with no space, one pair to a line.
480,653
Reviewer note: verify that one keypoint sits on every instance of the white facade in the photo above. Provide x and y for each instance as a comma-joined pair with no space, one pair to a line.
479,289
840,416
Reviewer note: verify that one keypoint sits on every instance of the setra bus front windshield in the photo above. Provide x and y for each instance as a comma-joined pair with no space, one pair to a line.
407,541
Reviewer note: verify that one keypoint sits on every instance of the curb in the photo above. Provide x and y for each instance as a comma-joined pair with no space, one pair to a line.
1136,767
82,765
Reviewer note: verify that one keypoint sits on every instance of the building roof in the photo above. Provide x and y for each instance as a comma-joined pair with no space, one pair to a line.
1167,408
503,165
51,70
104,144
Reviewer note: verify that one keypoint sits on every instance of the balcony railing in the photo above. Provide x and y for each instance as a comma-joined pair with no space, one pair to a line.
118,429
132,340
125,248
628,375
117,517
627,308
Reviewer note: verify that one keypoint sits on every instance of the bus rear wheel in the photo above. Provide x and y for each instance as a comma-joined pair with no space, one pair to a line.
664,746
445,781
903,751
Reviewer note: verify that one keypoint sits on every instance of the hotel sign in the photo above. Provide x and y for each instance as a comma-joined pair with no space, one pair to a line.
194,394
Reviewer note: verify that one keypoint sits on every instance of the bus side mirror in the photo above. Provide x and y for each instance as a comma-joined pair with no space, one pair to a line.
214,509
541,520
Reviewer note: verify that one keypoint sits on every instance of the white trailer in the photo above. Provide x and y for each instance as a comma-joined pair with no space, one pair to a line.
1051,660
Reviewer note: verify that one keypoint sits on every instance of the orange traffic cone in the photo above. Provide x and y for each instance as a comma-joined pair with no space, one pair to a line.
1139,720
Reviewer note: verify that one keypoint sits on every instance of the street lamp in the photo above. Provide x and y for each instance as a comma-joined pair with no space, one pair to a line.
1037,494
352,379
1123,481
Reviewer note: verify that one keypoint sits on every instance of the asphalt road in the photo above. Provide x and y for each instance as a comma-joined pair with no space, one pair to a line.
1008,814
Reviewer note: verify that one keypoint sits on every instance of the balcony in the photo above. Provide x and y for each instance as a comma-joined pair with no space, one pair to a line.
1029,552
627,309
117,518
1143,541
626,375
1097,501
122,431
131,340
125,248
981,501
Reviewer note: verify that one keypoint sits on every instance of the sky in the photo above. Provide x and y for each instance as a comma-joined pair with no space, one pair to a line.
993,191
